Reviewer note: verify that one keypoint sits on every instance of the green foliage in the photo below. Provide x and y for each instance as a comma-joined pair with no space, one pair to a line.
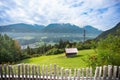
54,51
109,51
9,49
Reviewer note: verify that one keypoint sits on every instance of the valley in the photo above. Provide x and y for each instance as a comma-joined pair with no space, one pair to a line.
38,39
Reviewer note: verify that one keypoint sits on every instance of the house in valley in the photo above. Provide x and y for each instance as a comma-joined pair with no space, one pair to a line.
69,52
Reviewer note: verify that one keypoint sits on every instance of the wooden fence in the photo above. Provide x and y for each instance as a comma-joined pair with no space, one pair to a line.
54,72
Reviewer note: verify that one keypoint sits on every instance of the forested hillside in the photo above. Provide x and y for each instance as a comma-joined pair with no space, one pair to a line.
115,31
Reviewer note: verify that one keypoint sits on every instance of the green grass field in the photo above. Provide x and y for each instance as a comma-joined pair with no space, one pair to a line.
62,60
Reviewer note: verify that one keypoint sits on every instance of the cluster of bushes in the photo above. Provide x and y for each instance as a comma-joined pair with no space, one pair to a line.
107,52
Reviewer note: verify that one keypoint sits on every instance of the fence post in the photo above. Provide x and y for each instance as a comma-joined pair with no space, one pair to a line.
114,72
55,71
39,74
87,71
82,73
22,71
12,73
119,73
33,71
1,72
100,73
66,74
26,69
104,72
18,71
43,75
58,72
50,71
109,72
5,72
91,74
70,74
78,74
14,70
46,72
29,72
9,72
74,74
36,72
96,73
62,73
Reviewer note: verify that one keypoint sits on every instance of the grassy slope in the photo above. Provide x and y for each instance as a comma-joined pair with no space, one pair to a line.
61,60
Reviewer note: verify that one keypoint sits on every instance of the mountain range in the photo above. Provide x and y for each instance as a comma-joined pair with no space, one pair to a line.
51,28
21,27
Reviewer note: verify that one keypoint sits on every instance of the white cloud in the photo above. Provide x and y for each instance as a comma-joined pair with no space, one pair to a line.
79,12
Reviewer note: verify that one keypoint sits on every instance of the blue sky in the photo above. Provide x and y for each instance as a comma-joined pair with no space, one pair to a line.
102,14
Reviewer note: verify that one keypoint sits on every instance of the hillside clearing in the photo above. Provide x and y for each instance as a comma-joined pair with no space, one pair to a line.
62,60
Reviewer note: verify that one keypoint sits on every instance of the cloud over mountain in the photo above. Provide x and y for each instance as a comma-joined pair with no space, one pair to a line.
100,13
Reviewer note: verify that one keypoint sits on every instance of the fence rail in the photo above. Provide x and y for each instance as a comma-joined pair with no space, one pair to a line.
54,72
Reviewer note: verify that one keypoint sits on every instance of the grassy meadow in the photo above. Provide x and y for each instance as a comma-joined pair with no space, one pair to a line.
62,60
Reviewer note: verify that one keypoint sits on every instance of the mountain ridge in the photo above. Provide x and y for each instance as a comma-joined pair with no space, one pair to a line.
51,28
115,31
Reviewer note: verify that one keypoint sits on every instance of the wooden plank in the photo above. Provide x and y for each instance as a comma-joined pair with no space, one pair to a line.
114,72
1,72
109,72
66,74
29,72
70,74
87,73
39,74
62,73
119,73
46,72
78,74
26,71
12,73
33,72
22,71
58,72
36,72
55,71
75,74
43,74
14,70
104,72
82,73
100,73
8,72
50,71
96,73
91,73
18,71
5,72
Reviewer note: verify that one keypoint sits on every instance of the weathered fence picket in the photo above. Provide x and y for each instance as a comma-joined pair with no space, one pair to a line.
91,73
54,72
82,73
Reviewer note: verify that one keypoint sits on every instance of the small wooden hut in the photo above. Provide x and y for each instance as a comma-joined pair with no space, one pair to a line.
71,52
